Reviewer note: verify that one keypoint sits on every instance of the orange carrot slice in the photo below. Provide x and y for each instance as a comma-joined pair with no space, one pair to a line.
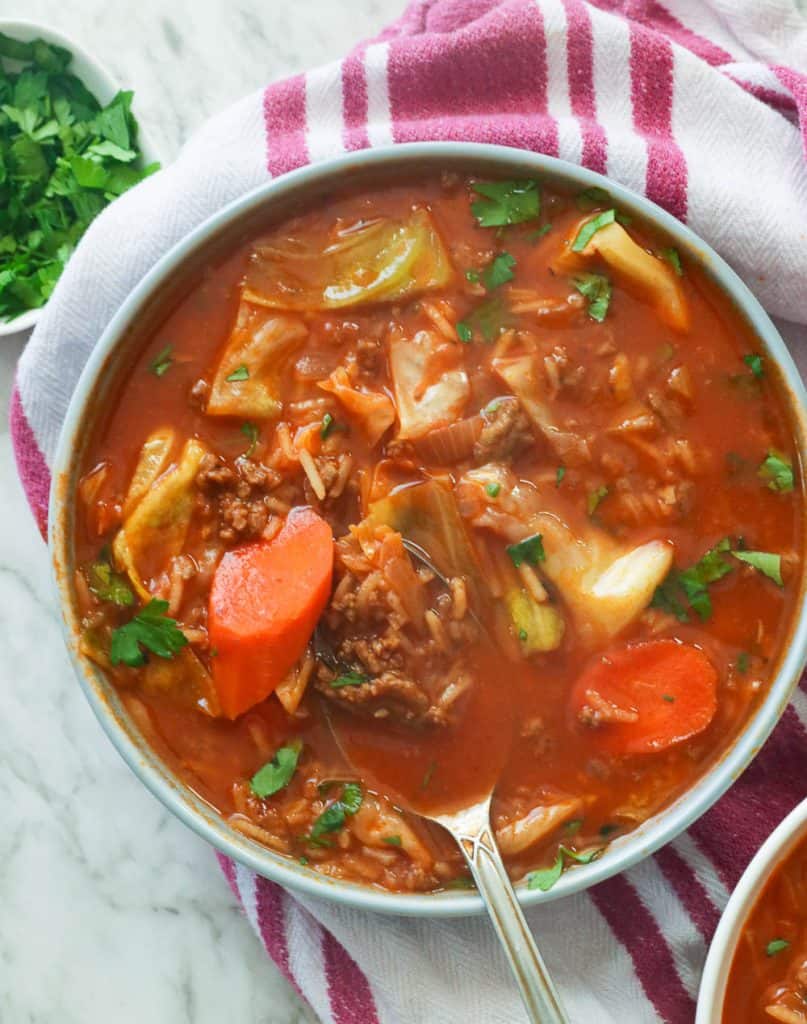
645,697
264,604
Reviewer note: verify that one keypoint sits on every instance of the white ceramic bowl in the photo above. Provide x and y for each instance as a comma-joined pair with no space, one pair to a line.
275,199
102,85
770,855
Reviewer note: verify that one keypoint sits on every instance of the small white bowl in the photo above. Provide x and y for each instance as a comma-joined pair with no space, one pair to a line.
102,84
721,952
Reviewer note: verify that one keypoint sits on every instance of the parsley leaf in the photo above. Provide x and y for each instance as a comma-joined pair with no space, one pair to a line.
151,629
591,227
506,202
108,585
239,373
349,679
530,550
499,271
672,256
534,236
545,878
392,840
768,564
492,490
595,499
62,159
488,320
597,289
162,361
777,472
327,426
250,431
689,586
755,363
591,198
776,946
277,773
334,816
743,662
560,473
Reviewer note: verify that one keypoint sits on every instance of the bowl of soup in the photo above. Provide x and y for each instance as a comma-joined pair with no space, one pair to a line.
449,449
756,970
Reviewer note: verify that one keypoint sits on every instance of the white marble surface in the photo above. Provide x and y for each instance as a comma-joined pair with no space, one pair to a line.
110,910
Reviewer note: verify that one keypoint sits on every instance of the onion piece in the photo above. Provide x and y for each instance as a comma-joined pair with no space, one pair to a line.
450,444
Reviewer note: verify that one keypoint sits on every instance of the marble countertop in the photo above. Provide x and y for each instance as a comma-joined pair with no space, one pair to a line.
111,909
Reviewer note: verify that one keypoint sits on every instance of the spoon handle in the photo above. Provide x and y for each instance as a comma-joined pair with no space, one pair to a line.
540,998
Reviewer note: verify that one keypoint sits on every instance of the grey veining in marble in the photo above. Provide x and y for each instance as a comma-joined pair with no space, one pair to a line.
110,910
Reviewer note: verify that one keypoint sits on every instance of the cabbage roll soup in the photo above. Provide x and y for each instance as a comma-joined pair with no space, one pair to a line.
480,478
768,977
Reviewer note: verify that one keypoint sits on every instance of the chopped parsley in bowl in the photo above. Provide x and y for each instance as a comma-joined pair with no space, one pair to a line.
68,147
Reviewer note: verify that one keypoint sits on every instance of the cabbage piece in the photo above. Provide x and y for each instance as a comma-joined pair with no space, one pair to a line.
431,387
246,379
381,261
152,461
539,627
156,530
536,824
646,276
427,514
183,678
520,374
604,584
373,411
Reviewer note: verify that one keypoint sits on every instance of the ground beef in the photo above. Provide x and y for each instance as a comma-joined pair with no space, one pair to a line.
235,496
368,355
506,431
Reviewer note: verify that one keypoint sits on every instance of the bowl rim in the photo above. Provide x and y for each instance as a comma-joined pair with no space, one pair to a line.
787,834
104,86
194,812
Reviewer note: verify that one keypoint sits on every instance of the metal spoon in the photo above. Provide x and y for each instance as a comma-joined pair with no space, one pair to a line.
470,826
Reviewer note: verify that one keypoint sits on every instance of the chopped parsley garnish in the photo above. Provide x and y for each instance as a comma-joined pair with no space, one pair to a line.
506,202
755,363
239,373
464,332
486,321
392,840
162,361
108,585
777,472
690,586
591,227
302,860
597,289
327,427
499,271
572,827
472,276
595,499
768,564
608,830
461,882
743,662
151,629
62,159
334,816
560,473
277,773
672,256
349,679
534,236
668,697
529,550
776,946
547,877
492,490
591,198
428,775
523,635
250,432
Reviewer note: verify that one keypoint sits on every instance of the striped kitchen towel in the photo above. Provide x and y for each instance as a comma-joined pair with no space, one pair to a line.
702,106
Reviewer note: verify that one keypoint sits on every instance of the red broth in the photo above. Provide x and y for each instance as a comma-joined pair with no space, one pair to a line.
496,386
768,977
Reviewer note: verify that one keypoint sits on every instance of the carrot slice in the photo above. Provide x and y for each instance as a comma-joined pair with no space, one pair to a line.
264,604
646,697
